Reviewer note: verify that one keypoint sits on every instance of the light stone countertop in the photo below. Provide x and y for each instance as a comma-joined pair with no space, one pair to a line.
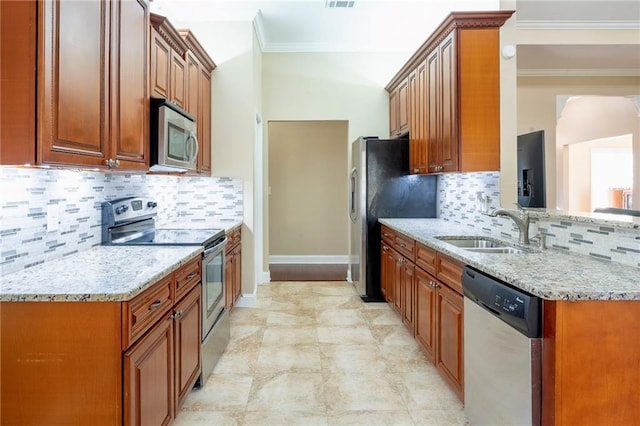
550,274
102,273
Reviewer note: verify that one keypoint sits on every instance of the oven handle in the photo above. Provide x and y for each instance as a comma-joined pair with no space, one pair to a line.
215,248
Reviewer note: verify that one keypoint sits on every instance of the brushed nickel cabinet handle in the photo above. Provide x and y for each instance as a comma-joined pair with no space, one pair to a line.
155,305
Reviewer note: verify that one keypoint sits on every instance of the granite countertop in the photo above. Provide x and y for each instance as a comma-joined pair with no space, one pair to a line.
102,273
550,274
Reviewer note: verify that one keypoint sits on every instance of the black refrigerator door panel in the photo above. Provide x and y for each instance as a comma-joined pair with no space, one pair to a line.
391,193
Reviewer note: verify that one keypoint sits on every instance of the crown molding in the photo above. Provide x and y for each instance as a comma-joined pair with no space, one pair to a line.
602,72
577,25
258,27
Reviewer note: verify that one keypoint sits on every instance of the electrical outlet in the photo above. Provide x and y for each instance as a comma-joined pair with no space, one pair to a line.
53,218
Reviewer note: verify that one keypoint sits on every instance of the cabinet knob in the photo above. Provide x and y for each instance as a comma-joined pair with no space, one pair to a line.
112,163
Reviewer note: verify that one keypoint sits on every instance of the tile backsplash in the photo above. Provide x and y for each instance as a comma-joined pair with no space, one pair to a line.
34,202
458,203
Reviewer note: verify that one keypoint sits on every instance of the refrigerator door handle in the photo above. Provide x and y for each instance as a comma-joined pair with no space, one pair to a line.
353,195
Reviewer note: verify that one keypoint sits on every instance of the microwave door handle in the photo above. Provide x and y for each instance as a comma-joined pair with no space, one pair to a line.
193,140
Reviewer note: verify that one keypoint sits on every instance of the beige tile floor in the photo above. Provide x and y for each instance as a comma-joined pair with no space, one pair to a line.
312,353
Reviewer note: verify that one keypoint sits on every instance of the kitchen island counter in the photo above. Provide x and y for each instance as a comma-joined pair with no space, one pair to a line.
550,274
102,273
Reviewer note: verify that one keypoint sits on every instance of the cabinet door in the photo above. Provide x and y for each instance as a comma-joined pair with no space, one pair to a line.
229,271
178,80
414,132
398,296
425,311
432,113
386,273
160,66
73,74
417,133
403,107
188,332
129,85
204,123
449,346
393,113
149,377
422,117
193,87
237,273
408,295
449,105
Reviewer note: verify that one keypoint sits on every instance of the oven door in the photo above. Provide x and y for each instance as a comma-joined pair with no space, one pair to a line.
212,286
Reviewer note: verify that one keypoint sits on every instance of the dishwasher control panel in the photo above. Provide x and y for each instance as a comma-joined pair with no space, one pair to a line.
507,301
521,310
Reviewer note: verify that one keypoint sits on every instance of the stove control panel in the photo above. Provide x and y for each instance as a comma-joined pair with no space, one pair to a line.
126,210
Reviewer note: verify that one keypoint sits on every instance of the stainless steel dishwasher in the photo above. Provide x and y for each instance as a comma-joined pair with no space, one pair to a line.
502,352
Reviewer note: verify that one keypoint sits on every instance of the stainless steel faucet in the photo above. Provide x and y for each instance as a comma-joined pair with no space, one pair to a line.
520,217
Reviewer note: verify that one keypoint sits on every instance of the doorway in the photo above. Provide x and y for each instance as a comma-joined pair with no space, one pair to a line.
308,221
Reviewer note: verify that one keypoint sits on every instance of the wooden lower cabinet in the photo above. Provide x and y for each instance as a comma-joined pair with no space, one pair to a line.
449,344
102,363
425,312
408,295
233,269
148,377
430,304
187,331
591,362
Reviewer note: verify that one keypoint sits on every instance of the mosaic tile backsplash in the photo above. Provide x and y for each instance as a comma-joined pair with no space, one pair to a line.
34,202
459,203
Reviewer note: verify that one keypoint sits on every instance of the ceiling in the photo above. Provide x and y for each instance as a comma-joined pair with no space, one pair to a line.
403,25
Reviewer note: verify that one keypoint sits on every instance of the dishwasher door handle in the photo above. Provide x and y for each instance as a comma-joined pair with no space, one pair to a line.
488,308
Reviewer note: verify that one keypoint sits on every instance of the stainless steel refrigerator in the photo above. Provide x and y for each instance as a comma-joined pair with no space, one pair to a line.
379,187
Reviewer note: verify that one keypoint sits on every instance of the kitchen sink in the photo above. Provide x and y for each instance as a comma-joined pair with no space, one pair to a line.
480,244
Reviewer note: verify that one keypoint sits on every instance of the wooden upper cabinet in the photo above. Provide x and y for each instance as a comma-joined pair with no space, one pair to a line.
130,84
417,124
89,63
403,107
74,82
160,66
168,65
461,105
18,23
199,69
448,105
193,84
393,113
178,85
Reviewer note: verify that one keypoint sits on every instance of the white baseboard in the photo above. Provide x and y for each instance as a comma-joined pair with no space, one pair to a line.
309,260
247,301
265,278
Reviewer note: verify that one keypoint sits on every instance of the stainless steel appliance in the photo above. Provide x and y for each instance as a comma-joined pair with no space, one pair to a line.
502,352
174,144
131,221
379,187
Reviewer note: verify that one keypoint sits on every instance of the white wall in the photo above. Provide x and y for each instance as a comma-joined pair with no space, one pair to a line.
330,86
236,97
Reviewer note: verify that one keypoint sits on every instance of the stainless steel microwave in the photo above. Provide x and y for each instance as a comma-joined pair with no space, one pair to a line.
174,143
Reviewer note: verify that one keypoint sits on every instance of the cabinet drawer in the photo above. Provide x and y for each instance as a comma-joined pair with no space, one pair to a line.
426,258
388,235
140,313
233,238
405,246
187,277
450,272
